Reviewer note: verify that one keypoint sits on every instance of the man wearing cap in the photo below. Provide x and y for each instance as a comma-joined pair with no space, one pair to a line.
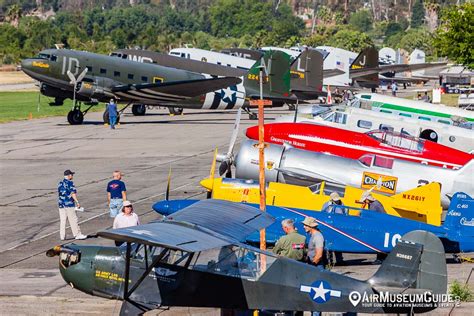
112,110
292,244
116,193
373,204
67,202
331,205
315,244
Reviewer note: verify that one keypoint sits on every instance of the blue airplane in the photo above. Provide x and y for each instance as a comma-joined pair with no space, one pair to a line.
369,232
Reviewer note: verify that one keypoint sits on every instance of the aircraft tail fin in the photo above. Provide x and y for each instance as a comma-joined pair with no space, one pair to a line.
367,59
460,215
276,76
307,74
417,262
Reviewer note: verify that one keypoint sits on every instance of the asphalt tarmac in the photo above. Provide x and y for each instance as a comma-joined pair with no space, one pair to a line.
34,155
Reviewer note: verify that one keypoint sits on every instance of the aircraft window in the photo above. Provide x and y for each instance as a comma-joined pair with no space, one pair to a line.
144,79
130,76
340,118
116,73
444,122
114,55
365,96
229,65
366,160
383,162
385,127
405,114
157,79
176,257
330,117
124,56
233,261
176,54
424,118
219,63
385,111
103,71
89,68
364,124
43,56
54,57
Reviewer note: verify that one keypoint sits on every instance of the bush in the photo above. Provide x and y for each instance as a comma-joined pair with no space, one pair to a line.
461,290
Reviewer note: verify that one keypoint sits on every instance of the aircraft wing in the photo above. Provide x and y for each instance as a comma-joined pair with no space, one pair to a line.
186,88
409,67
204,225
362,72
307,175
167,234
328,73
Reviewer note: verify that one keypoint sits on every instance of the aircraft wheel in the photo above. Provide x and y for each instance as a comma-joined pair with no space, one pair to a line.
253,116
105,117
175,111
75,117
139,109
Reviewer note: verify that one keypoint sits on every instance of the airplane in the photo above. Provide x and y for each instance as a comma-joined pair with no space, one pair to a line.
413,108
305,70
290,165
362,120
197,259
366,232
420,204
353,145
96,78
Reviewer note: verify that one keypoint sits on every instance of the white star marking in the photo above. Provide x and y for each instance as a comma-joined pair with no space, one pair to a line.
320,291
227,94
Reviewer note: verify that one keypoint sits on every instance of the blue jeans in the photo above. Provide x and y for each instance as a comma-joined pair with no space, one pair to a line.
115,207
112,121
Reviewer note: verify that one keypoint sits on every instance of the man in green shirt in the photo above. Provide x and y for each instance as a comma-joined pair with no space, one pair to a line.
292,244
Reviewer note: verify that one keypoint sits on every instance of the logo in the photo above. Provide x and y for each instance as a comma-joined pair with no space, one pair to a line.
270,164
229,95
320,291
354,297
466,222
39,64
114,186
164,272
388,183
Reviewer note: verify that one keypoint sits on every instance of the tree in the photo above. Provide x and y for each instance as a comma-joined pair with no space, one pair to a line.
14,15
351,40
361,20
455,36
418,14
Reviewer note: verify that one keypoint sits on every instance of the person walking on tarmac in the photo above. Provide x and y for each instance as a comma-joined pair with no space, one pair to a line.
116,193
67,203
292,244
113,113
316,243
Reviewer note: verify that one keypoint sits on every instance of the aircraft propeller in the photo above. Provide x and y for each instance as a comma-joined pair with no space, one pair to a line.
227,159
74,81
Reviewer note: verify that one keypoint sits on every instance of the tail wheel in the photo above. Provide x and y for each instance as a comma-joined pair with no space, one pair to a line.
75,117
175,111
139,109
429,134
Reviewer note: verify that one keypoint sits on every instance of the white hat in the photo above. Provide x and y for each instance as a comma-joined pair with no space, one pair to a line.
127,203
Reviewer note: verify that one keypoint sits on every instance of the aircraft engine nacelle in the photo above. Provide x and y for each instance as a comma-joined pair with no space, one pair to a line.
246,161
92,90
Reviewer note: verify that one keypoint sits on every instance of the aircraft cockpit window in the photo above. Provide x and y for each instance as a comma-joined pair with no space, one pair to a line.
340,118
124,56
366,160
233,261
383,162
54,58
364,124
43,56
331,117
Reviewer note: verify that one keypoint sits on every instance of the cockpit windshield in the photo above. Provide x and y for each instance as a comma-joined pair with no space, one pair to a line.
399,140
370,160
47,57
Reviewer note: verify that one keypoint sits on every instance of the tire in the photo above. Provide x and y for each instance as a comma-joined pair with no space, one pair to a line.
105,117
139,109
175,111
430,135
75,117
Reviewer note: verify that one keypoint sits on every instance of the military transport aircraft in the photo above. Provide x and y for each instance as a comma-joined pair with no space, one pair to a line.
96,78
197,259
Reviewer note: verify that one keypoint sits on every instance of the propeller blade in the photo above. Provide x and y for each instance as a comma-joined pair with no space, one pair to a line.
71,77
235,133
82,75
223,167
167,193
213,171
228,174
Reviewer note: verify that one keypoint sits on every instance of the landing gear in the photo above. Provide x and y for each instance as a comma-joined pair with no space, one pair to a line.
139,109
252,115
75,117
175,111
105,117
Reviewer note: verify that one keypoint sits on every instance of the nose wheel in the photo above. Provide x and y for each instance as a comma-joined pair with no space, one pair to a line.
75,117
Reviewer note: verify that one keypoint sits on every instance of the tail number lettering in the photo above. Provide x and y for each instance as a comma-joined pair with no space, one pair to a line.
394,239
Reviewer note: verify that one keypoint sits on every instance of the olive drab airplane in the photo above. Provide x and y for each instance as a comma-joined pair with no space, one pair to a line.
196,258
364,231
94,78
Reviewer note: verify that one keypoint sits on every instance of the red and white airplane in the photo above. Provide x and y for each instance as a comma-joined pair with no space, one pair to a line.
354,145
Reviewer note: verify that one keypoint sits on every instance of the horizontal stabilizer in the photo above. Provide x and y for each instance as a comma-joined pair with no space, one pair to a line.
328,73
186,88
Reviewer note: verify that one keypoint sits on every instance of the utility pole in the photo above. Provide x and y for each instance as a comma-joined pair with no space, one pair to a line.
261,157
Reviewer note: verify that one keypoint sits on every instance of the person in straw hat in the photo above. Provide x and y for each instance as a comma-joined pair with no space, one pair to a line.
373,205
331,206
316,243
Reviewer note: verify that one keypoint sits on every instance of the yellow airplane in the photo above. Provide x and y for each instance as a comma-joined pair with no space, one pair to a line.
421,204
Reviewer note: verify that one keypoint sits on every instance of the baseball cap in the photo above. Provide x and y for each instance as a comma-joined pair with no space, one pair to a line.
334,196
68,172
310,221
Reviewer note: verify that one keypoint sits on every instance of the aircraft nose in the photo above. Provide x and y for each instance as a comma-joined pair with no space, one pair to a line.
252,132
26,64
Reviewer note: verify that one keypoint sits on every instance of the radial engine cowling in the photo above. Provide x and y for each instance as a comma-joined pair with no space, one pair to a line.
92,90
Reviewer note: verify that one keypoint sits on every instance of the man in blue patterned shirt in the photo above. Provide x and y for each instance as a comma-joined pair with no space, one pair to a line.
67,202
